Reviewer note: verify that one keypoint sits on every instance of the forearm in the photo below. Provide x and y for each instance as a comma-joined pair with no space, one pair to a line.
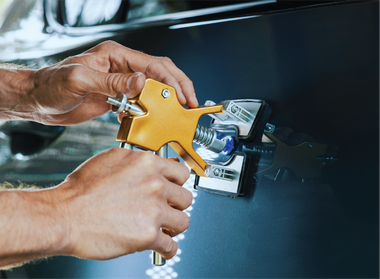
15,87
32,226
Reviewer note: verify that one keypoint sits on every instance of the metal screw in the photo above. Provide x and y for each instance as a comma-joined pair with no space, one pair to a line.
165,93
234,109
310,145
217,172
120,104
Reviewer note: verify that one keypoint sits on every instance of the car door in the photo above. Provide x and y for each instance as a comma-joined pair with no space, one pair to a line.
317,67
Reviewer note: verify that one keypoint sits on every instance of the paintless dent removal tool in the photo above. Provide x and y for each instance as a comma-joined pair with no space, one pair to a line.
237,148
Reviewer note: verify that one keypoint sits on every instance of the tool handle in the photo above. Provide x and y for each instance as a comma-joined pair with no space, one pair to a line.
157,259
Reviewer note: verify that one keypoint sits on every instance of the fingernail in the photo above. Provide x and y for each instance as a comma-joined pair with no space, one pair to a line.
133,81
195,100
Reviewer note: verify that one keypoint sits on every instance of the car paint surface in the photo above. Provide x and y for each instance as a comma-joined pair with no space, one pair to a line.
319,69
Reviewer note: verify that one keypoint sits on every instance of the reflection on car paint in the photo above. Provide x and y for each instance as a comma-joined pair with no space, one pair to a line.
168,271
75,145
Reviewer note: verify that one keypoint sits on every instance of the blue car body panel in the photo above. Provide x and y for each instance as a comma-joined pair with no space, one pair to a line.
319,70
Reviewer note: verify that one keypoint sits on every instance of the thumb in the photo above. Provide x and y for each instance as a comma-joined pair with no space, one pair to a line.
111,84
165,246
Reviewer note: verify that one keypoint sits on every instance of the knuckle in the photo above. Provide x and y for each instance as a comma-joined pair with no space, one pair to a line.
114,150
154,66
185,173
150,235
173,252
147,159
73,72
118,154
188,199
156,184
107,44
189,83
74,176
185,221
169,247
166,59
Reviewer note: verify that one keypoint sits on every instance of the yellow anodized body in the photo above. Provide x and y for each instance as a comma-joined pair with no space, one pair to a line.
165,121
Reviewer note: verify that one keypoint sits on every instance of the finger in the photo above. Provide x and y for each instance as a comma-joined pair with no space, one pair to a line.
176,221
159,68
94,105
185,83
111,84
170,232
165,246
178,197
126,60
121,116
173,171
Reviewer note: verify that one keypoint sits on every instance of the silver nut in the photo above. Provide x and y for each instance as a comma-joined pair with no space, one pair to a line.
165,93
217,172
234,109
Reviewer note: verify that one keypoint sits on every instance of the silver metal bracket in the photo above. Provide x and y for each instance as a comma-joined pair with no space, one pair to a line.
237,112
220,172
240,113
232,110
229,187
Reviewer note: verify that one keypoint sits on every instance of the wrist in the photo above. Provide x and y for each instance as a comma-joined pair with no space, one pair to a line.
33,225
15,88
55,200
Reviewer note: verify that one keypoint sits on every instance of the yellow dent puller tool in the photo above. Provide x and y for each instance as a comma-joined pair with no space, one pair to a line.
165,121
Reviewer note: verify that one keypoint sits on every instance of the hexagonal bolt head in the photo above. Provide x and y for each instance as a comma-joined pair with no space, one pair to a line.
234,109
165,93
217,172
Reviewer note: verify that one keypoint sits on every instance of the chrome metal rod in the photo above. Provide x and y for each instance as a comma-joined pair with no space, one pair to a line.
157,259
126,145
120,104
163,152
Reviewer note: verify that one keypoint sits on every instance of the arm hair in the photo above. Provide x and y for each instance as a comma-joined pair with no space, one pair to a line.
20,186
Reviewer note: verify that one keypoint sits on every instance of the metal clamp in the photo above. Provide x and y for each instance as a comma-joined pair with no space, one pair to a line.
220,172
233,110
216,184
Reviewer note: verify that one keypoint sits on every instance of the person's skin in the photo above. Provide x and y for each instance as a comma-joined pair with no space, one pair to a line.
75,90
116,202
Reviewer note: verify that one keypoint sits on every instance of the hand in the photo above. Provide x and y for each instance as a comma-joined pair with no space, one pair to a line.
117,202
75,90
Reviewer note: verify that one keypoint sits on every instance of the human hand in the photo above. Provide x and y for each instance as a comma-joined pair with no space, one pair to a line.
75,90
117,201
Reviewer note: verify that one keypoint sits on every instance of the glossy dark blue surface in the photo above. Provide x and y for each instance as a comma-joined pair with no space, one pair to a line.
319,70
